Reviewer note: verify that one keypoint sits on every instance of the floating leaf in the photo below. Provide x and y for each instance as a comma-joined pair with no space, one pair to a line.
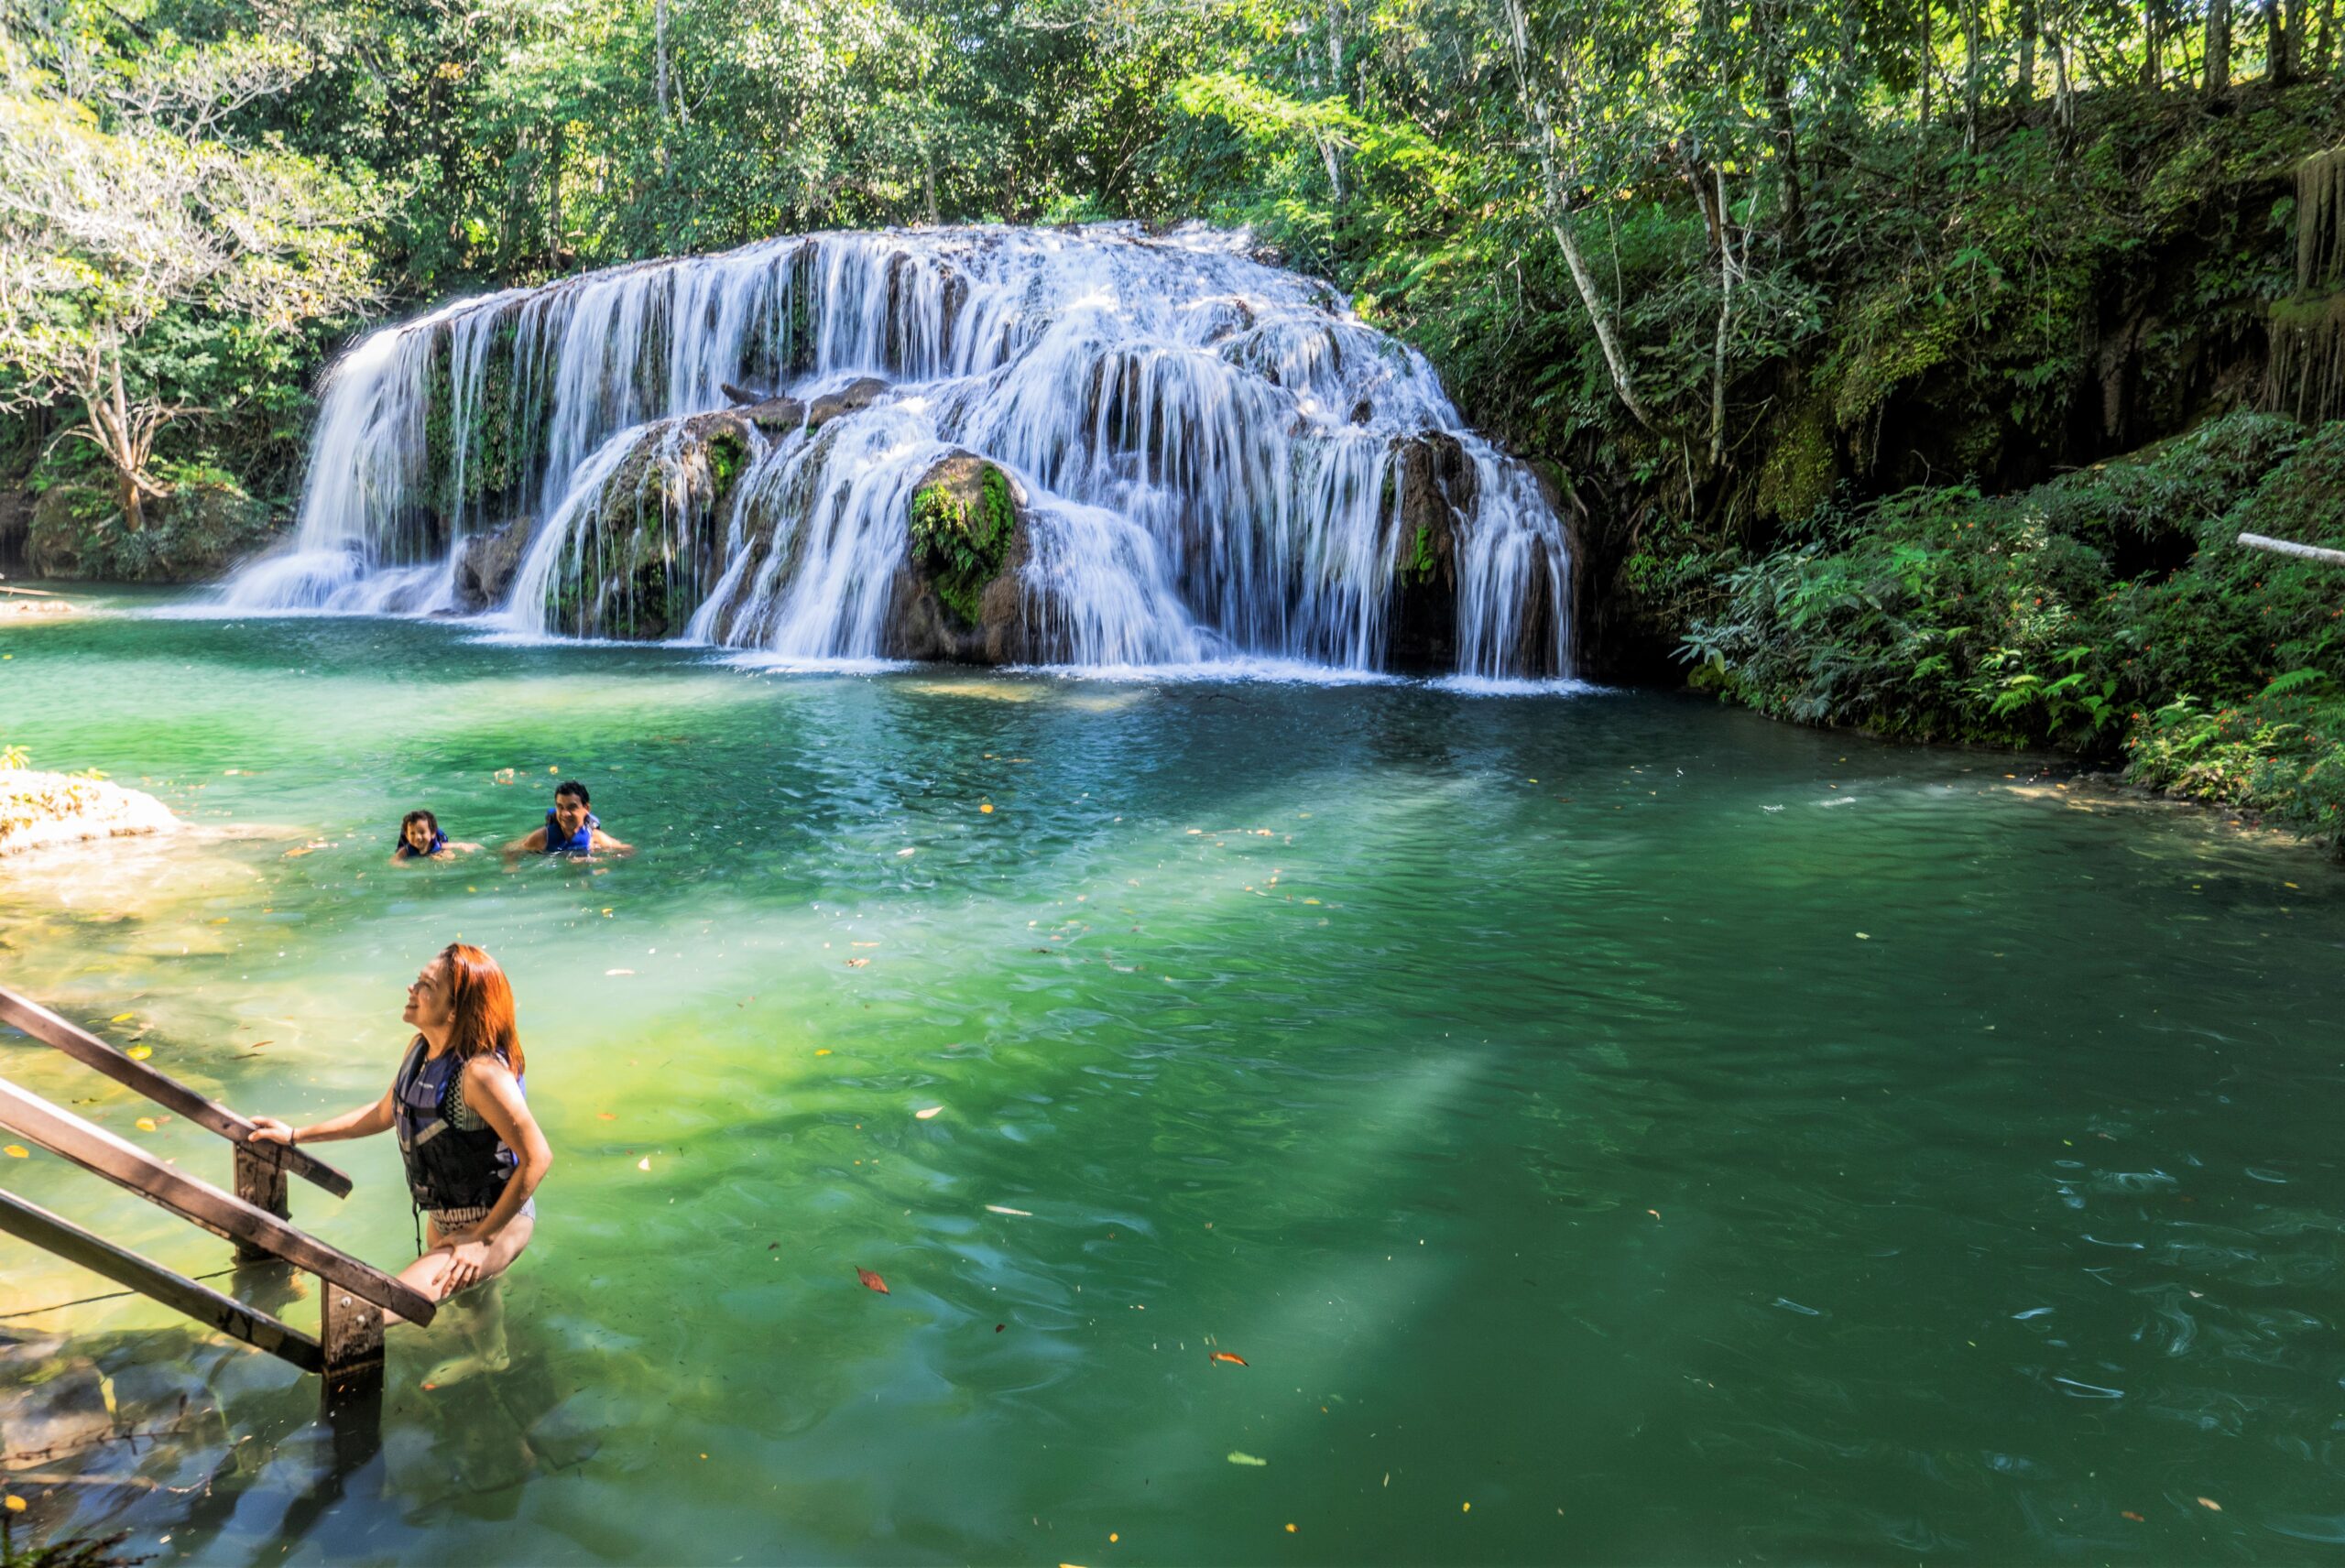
999,1209
618,970
15,1504
986,809
902,853
1225,1356
872,1281
140,1052
2132,1514
607,1116
925,1112
144,1123
122,1017
2211,1503
857,963
644,1163
825,1051
1238,1458
17,1151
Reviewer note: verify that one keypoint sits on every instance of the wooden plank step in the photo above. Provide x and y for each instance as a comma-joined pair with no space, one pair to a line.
93,1148
29,1221
163,1089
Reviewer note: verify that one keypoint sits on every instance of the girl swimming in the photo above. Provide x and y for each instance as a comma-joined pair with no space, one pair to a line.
421,839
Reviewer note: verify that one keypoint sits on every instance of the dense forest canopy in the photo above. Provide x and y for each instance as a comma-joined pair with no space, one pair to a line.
1736,273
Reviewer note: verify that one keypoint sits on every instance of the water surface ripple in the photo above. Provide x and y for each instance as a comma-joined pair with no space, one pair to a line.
1679,1137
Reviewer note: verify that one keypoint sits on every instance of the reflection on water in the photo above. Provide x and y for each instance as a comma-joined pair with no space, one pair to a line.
1679,1137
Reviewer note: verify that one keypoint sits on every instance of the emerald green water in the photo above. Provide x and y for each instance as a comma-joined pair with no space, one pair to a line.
1679,1137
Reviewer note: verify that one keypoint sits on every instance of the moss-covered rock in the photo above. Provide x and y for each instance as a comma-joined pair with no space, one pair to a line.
959,595
1432,485
649,549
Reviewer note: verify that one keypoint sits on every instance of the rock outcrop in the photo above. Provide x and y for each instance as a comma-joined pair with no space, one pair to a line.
38,809
487,562
959,595
1433,484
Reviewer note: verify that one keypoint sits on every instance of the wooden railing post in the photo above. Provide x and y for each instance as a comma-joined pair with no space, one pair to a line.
351,1335
260,1182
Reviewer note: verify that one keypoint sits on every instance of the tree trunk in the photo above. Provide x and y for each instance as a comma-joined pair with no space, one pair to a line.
1974,40
2218,50
2151,73
1927,65
1726,318
660,78
2023,88
1599,314
1772,17
928,177
2279,60
2321,55
553,200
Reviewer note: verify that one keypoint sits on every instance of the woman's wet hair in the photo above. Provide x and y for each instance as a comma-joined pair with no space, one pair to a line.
482,1000
431,823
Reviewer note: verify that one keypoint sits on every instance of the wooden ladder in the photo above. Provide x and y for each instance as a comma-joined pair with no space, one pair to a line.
354,1296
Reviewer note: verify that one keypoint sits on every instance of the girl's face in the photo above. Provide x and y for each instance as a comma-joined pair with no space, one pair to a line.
418,836
428,1003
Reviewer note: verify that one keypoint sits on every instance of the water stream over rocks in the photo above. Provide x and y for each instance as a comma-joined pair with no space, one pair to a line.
1091,446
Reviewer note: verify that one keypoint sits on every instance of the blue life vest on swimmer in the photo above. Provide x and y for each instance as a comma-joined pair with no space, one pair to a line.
448,1166
580,842
407,851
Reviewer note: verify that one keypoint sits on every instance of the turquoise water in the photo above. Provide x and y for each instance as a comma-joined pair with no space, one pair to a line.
1611,1128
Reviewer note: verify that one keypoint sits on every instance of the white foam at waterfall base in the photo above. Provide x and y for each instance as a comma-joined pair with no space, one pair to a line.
1208,448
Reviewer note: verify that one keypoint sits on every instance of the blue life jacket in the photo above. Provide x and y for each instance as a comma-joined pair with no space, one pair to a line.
580,842
407,851
447,1166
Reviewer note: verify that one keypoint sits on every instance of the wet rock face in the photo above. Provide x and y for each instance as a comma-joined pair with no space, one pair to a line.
641,563
1434,486
487,562
776,416
959,595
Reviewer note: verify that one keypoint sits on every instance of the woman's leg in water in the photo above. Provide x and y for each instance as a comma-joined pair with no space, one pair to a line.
478,1311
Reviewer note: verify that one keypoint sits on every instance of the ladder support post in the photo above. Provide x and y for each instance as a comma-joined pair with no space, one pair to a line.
351,1332
261,1183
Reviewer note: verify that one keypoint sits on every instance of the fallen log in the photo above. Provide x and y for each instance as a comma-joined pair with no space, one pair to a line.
2288,547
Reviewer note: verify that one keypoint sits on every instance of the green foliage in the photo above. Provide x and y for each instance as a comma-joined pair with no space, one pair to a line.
962,546
2109,611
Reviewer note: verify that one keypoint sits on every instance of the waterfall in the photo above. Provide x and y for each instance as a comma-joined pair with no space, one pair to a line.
1211,459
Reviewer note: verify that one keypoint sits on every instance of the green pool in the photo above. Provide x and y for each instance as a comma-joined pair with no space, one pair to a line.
1609,1128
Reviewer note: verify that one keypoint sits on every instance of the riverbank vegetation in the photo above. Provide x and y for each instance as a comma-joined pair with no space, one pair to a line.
1909,365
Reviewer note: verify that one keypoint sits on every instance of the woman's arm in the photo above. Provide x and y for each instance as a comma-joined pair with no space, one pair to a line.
489,1090
363,1122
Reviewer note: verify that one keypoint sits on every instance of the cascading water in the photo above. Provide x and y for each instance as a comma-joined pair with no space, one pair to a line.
1188,457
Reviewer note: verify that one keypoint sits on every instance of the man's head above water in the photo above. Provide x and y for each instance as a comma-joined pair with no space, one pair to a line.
569,805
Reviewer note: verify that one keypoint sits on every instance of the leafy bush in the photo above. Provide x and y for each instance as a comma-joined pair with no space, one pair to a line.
2109,612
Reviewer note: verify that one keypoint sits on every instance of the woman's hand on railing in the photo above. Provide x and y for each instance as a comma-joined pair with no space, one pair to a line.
268,1129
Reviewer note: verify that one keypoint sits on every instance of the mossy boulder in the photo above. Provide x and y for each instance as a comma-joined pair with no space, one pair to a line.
959,595
649,549
1432,485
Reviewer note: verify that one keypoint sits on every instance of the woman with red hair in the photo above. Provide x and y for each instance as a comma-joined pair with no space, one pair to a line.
472,1151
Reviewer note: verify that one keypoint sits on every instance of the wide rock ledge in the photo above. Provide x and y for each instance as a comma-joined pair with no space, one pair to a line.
38,809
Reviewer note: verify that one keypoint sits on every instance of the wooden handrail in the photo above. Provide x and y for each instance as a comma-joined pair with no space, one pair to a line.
94,1148
163,1089
31,1223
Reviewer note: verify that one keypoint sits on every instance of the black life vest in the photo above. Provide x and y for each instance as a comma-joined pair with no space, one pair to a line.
447,1166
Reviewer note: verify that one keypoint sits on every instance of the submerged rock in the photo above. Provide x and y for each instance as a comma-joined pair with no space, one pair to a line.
776,415
959,595
37,809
